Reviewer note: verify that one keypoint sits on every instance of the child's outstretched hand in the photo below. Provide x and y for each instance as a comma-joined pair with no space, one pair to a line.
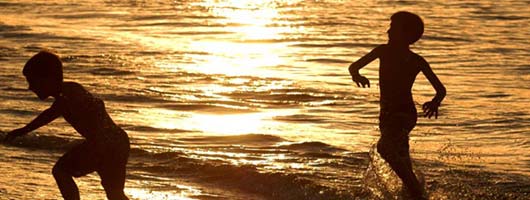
430,108
14,133
361,81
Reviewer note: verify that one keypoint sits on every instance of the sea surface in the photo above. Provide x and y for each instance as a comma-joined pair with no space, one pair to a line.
236,99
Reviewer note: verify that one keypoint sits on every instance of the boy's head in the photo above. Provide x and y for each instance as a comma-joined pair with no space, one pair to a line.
405,27
44,73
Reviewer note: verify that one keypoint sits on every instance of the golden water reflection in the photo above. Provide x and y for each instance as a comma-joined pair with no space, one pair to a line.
235,59
212,123
251,43
185,194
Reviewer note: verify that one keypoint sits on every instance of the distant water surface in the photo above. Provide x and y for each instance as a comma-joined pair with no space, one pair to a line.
252,99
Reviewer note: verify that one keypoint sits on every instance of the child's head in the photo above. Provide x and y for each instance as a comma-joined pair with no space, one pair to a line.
44,73
405,27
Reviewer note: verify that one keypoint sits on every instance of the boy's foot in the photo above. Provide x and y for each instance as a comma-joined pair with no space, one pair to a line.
413,195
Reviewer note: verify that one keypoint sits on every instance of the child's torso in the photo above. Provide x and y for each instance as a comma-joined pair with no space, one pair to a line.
86,113
397,72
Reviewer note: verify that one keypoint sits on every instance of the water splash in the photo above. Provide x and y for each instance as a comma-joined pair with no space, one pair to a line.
382,181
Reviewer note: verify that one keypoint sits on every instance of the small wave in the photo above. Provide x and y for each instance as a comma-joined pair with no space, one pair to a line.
10,28
245,178
14,89
207,108
328,60
9,4
322,155
499,50
151,17
201,32
202,17
503,17
311,147
524,68
446,39
132,98
153,129
268,41
109,71
495,95
36,141
331,45
39,36
18,112
235,139
327,23
8,53
302,96
155,21
114,64
143,154
301,118
86,15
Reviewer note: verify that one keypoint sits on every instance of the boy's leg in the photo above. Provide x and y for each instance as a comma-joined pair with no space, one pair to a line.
393,146
77,162
113,171
398,158
113,181
66,184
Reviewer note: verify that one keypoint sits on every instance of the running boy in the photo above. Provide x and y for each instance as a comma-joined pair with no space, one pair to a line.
106,147
397,73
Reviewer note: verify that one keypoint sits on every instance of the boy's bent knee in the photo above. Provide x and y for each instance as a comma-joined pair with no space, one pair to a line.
58,170
61,170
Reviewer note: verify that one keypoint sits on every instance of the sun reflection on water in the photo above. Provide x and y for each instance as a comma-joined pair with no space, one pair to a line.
184,194
235,124
212,122
248,47
236,58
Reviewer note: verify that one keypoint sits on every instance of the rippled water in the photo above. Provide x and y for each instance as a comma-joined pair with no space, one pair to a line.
252,99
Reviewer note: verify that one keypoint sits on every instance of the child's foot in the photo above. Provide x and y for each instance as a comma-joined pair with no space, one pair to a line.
413,194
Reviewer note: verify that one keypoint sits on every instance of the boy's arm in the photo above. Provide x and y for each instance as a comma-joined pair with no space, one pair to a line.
431,108
44,118
363,61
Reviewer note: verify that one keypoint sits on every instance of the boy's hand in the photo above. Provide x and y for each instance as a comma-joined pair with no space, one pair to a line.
14,133
361,81
430,108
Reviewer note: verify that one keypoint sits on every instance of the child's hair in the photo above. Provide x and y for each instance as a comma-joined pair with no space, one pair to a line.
411,23
44,64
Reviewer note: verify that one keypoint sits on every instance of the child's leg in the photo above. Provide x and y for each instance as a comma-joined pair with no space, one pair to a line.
398,158
394,148
77,162
66,184
113,170
113,181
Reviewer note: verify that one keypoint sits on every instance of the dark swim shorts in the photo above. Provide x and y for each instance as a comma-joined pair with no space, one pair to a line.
107,158
395,128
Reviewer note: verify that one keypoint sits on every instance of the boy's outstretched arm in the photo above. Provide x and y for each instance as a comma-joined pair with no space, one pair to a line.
431,108
362,81
44,118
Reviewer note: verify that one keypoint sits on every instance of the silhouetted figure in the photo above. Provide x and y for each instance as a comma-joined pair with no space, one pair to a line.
106,147
397,73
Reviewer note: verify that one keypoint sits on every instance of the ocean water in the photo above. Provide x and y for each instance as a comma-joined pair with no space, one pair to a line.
235,99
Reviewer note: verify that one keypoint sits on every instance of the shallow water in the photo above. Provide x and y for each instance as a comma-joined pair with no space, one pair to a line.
252,99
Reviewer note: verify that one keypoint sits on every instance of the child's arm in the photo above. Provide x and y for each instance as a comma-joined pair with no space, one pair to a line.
44,118
431,108
363,61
